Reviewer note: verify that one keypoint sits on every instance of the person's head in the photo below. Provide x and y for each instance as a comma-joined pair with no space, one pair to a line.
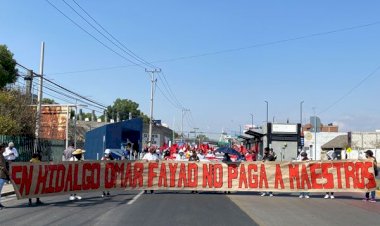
71,144
368,154
107,152
266,151
152,149
303,155
11,145
37,156
78,153
194,153
271,151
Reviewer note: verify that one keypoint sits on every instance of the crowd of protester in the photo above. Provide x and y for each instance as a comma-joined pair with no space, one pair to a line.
176,152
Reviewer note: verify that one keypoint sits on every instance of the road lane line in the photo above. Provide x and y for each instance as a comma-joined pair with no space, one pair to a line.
135,198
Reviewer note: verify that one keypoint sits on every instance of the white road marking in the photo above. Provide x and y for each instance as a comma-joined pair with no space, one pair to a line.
135,198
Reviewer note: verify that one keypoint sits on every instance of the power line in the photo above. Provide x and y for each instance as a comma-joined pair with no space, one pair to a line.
102,34
170,91
46,93
131,53
78,96
269,43
126,50
351,90
240,48
102,43
163,94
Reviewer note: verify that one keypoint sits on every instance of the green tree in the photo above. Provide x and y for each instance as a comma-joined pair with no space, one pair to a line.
123,107
17,117
48,101
8,71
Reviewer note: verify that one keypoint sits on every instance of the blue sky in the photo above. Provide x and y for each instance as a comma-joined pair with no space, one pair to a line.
221,90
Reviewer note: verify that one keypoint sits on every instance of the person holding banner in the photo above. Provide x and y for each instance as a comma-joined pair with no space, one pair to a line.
107,157
267,157
330,156
304,158
194,158
150,156
181,156
4,174
369,155
77,156
226,159
36,158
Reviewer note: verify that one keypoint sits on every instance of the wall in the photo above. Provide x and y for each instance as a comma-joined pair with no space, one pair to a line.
322,138
289,153
362,141
166,134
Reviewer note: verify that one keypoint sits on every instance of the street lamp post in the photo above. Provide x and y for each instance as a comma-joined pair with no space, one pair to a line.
252,120
267,109
315,134
301,103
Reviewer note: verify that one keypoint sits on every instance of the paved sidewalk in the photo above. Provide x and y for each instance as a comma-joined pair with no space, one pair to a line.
7,190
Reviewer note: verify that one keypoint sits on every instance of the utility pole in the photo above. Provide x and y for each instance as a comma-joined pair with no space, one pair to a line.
173,130
315,135
183,113
153,85
267,109
29,81
75,123
301,112
195,134
38,121
105,116
252,122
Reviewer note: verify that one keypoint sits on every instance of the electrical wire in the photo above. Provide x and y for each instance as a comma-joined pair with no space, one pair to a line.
169,90
53,89
67,90
121,46
130,52
163,94
102,34
102,43
357,85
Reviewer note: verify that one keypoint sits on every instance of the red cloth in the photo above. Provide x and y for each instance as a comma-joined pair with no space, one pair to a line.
163,147
248,158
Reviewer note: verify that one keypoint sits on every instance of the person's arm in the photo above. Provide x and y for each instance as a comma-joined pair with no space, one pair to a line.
4,168
6,153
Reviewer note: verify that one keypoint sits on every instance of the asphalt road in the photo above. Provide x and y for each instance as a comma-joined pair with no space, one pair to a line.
127,208
288,209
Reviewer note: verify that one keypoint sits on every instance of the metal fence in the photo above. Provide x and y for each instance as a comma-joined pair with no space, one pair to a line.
51,150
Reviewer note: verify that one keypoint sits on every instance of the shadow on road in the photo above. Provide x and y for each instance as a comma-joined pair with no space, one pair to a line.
84,202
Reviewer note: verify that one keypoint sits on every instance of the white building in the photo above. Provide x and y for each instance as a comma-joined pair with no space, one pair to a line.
314,141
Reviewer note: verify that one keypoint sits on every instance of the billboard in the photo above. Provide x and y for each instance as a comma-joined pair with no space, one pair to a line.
155,139
53,122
